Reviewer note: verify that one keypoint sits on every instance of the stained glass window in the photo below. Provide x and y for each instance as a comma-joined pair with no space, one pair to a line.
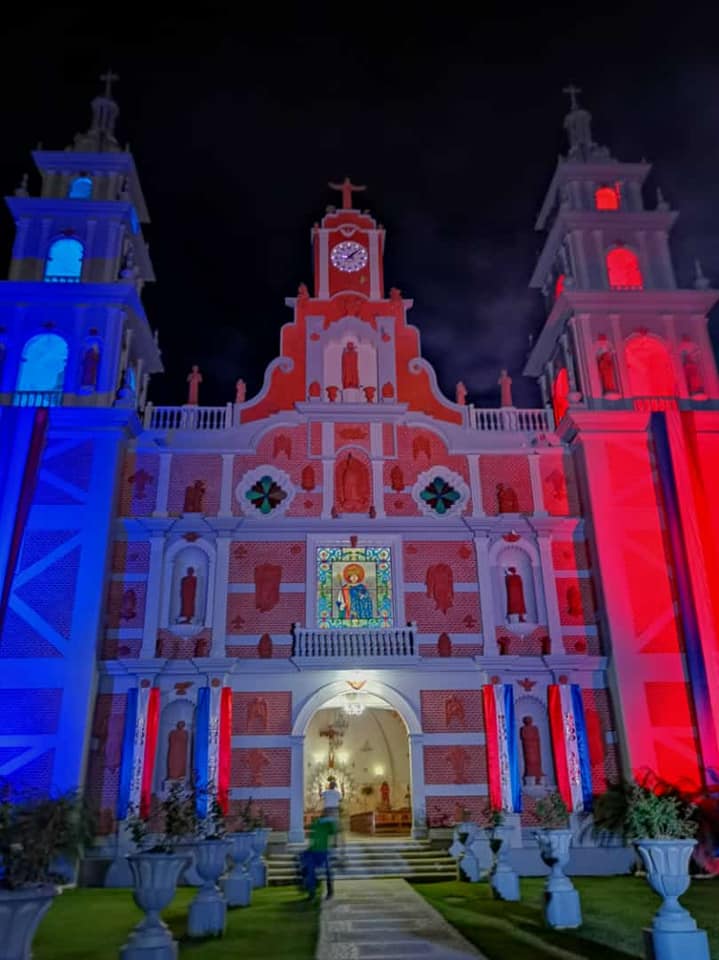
354,587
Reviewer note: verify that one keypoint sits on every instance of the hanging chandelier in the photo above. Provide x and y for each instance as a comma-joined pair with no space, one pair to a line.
353,705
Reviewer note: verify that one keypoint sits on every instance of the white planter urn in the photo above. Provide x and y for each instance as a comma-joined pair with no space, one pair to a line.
207,916
237,885
154,877
258,868
20,914
502,878
674,931
561,900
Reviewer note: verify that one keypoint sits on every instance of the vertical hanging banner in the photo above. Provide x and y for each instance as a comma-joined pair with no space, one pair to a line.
213,746
570,745
139,746
505,791
224,762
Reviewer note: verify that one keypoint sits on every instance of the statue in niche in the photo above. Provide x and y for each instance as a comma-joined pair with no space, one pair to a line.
460,394
421,444
307,480
439,581
194,379
240,391
282,444
257,760
454,711
194,495
444,645
257,716
516,605
128,608
505,389
605,366
574,601
264,647
384,796
177,743
507,500
458,759
90,363
188,596
350,367
396,478
690,362
353,486
531,751
267,586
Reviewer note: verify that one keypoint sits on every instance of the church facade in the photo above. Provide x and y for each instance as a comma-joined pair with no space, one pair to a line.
524,600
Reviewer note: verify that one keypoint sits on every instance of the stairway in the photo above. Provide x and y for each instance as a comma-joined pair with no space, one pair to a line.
409,859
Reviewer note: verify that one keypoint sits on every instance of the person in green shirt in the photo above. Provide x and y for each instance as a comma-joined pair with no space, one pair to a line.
317,856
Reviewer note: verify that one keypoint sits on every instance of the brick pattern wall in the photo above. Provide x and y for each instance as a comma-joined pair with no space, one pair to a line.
243,617
440,713
576,601
523,645
103,774
244,557
559,485
248,708
352,434
261,767
458,649
122,609
138,484
570,555
186,468
512,471
446,811
276,812
455,764
130,557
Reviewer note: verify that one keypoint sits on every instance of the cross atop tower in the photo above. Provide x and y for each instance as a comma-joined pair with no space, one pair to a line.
572,91
347,188
108,79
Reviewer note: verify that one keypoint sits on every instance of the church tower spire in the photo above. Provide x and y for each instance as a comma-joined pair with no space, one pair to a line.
578,124
101,135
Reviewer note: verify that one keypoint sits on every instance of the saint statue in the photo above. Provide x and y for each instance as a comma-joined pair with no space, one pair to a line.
194,378
350,367
353,600
240,391
128,609
177,742
453,711
461,394
507,500
439,581
574,601
505,389
516,605
353,485
384,794
607,374
531,749
188,596
90,361
194,495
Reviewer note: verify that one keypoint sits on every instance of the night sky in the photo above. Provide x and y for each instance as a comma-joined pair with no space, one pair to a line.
454,124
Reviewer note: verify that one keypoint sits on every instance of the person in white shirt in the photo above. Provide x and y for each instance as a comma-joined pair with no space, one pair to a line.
331,799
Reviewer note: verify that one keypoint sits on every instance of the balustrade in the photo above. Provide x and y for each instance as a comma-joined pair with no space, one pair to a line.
391,643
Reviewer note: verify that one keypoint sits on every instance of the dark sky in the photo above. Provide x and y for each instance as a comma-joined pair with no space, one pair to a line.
237,123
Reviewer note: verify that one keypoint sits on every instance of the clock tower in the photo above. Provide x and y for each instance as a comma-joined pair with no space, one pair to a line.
348,247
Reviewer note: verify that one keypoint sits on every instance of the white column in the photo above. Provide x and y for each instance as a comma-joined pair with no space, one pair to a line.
219,607
475,486
153,597
323,253
328,463
549,592
163,485
375,265
297,789
378,487
416,773
226,485
486,596
535,480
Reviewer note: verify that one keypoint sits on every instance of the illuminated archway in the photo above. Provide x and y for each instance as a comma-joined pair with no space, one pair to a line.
64,261
42,364
606,198
649,365
623,270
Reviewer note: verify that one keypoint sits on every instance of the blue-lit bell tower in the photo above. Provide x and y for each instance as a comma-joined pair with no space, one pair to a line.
76,354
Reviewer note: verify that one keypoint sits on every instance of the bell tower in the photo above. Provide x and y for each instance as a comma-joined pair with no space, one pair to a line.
625,359
618,329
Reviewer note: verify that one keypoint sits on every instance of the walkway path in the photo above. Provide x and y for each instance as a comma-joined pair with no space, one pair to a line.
377,919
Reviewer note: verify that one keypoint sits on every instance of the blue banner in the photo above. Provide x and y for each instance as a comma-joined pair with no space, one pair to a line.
585,762
202,745
512,748
128,745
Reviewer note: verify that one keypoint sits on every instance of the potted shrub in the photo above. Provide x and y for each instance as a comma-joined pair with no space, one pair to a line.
502,878
208,911
35,831
554,838
155,867
662,828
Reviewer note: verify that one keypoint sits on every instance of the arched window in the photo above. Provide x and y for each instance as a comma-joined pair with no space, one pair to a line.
64,261
42,365
606,198
559,286
81,188
649,364
560,394
623,269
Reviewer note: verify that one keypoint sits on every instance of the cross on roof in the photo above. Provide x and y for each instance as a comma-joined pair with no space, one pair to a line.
108,79
573,91
347,188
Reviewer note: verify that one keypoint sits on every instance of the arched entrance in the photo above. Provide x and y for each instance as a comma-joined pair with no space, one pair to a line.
370,740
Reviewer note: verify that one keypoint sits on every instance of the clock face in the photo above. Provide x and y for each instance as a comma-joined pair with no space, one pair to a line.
348,256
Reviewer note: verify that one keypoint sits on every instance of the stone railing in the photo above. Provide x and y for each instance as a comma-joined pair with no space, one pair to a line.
188,418
37,398
391,643
534,420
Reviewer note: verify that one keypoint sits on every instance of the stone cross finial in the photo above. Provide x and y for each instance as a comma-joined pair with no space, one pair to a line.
347,188
572,91
108,79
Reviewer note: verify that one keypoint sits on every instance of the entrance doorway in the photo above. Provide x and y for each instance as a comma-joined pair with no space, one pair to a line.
361,741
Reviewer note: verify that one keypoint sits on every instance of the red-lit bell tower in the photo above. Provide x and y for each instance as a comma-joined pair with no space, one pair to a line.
625,359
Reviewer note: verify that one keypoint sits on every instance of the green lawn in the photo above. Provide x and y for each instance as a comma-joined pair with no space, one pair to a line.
92,924
614,910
